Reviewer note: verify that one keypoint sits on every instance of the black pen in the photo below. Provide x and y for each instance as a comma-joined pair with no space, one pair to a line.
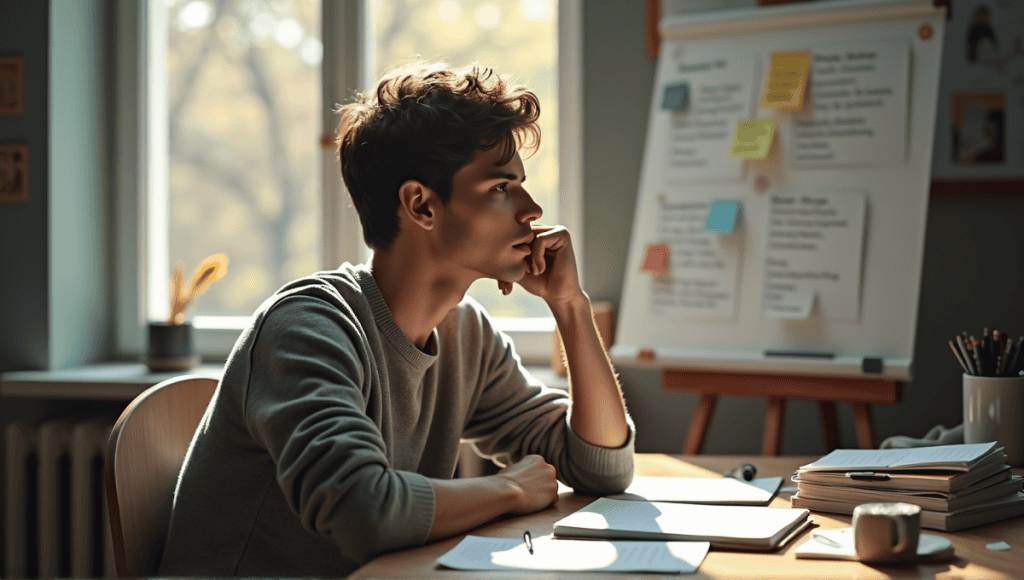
529,541
745,472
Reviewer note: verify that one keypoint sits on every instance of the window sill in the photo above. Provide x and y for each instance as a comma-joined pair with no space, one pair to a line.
123,381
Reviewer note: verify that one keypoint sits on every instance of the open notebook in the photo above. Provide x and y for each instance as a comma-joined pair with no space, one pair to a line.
725,526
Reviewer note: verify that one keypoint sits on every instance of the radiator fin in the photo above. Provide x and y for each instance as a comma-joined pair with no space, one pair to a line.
57,525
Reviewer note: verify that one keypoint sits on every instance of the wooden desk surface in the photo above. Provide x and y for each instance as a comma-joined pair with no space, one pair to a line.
971,560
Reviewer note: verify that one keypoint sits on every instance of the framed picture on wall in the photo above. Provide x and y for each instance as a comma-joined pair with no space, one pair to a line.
13,172
979,130
12,79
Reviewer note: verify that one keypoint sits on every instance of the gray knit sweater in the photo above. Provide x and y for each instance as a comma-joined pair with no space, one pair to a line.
314,453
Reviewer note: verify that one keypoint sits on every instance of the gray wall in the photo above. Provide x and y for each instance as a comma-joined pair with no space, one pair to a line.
24,231
55,268
971,275
80,133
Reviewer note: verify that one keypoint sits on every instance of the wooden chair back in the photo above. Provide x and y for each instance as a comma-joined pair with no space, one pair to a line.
144,455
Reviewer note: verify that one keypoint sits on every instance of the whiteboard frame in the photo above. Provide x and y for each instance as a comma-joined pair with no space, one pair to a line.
897,206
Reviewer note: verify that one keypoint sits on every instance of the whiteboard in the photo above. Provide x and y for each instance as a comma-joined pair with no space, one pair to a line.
870,335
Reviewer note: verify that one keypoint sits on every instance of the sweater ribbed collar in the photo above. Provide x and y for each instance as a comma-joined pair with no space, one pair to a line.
389,327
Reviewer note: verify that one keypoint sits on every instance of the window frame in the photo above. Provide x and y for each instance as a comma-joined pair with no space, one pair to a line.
141,40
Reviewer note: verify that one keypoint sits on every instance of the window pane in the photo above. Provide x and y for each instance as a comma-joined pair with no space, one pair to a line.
515,37
244,105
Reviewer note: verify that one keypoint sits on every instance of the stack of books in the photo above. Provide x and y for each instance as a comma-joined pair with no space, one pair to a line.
957,486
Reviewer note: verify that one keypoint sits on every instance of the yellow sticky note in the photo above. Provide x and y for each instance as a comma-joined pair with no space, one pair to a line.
752,138
787,80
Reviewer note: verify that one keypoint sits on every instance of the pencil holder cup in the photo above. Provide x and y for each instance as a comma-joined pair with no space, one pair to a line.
994,411
170,347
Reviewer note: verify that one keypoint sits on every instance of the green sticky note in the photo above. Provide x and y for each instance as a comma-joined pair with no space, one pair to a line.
722,216
752,138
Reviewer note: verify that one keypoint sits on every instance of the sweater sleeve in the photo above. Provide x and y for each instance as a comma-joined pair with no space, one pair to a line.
516,415
305,404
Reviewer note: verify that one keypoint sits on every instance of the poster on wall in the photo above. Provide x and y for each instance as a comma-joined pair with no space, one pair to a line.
979,131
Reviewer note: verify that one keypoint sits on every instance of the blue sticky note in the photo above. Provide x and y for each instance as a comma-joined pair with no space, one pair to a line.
676,97
722,216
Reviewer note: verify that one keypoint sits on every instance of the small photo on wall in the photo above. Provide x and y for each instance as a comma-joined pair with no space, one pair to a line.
13,173
11,85
978,127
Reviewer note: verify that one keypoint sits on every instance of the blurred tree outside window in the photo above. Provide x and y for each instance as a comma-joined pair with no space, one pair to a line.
244,167
515,37
244,108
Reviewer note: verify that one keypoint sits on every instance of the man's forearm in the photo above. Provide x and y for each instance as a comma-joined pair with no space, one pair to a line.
463,504
598,413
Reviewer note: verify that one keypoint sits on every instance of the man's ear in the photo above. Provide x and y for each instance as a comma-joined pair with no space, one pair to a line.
417,203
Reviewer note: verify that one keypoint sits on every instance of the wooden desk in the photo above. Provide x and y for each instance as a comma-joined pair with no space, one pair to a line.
972,559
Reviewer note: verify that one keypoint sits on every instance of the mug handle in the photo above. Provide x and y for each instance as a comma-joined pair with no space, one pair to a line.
903,533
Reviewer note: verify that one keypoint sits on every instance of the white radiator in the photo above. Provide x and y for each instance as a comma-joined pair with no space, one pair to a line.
56,510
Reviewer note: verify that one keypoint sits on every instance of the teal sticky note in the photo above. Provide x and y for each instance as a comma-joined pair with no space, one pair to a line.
676,97
722,216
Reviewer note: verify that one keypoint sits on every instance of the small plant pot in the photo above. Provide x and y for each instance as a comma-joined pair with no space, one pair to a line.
170,347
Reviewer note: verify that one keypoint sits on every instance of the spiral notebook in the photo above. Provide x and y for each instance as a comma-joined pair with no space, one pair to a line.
725,526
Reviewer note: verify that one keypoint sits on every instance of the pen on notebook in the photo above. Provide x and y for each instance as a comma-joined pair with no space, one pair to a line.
529,541
826,540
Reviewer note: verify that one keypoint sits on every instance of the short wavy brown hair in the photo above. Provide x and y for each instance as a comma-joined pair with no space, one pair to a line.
424,122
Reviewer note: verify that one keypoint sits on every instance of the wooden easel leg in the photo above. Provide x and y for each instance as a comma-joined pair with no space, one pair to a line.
699,426
773,416
865,429
827,412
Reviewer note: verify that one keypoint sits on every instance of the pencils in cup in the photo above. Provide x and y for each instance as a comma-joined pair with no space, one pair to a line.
995,355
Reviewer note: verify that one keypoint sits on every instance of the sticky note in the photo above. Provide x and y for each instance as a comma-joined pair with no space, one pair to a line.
752,138
998,546
656,259
676,97
787,81
721,216
789,305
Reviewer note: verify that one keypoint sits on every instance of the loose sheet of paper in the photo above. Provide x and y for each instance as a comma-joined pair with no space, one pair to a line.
858,109
814,247
703,267
706,490
699,135
478,553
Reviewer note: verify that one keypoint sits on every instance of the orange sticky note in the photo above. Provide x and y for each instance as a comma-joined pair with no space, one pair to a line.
656,259
787,81
752,138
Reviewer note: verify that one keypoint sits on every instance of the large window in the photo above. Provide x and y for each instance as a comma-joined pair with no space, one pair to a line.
227,143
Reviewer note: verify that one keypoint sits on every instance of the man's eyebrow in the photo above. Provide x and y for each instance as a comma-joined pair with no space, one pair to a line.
499,174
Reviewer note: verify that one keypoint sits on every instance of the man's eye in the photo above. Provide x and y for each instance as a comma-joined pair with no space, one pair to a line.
502,188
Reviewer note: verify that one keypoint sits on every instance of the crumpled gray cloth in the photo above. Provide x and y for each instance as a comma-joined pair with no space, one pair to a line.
937,435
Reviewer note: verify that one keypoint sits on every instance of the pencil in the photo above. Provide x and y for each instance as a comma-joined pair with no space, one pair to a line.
963,351
995,347
979,365
984,347
1016,359
1004,358
959,359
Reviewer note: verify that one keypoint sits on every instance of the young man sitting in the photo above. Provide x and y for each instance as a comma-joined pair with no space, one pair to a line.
334,433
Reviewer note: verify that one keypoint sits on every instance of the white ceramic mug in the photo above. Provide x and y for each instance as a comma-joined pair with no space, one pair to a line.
994,411
886,532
